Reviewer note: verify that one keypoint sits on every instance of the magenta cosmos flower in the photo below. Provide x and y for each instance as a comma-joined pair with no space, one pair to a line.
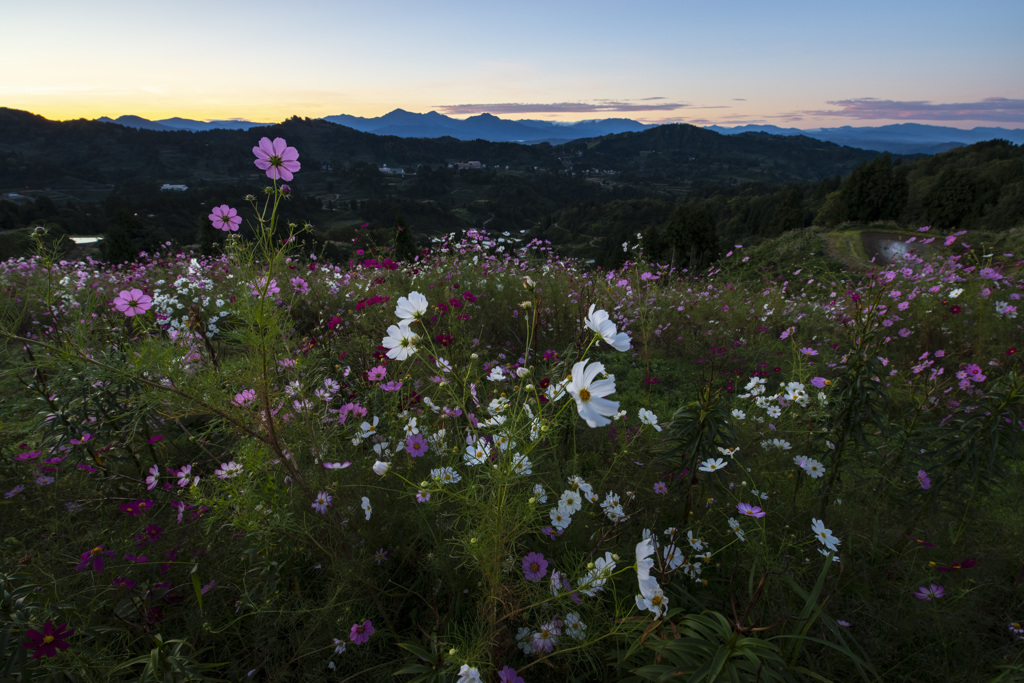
133,302
276,158
225,218
93,559
361,633
535,567
45,643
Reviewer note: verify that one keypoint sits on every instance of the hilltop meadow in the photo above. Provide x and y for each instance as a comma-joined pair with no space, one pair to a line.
485,460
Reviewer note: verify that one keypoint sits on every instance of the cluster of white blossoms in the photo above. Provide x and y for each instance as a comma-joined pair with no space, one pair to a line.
401,340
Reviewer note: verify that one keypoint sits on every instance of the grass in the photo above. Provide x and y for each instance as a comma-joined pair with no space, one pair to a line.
441,580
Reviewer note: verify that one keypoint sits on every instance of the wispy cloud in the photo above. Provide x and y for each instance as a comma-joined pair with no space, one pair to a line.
994,109
602,106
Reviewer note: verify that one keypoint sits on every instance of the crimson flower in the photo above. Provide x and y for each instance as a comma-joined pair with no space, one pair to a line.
966,563
45,643
133,302
225,218
276,158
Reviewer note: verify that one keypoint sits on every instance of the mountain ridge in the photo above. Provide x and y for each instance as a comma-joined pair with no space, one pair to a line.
900,138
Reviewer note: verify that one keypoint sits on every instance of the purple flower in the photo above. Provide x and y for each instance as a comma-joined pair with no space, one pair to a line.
15,491
277,159
535,567
922,478
133,302
660,487
93,558
381,556
819,382
509,675
422,496
749,510
45,643
929,593
225,218
136,507
416,445
122,582
152,534
360,633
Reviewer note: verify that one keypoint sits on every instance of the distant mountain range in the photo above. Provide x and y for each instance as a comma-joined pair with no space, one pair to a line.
899,138
902,138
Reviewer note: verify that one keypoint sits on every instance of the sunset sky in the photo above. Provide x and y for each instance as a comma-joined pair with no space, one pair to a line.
799,64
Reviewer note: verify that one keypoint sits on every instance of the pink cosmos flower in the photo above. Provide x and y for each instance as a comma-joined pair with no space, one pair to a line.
750,510
509,675
416,445
535,567
819,382
360,633
276,158
133,302
922,478
225,218
933,592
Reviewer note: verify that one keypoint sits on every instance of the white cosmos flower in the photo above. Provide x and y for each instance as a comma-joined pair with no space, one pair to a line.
712,465
649,418
367,508
824,535
400,342
591,403
571,502
598,321
411,308
381,467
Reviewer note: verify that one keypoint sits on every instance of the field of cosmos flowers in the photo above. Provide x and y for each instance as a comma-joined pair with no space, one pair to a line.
493,463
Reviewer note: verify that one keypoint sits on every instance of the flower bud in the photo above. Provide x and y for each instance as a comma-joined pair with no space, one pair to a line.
285,190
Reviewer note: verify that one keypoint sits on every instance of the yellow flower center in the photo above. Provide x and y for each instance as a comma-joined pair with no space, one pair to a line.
656,600
48,639
584,395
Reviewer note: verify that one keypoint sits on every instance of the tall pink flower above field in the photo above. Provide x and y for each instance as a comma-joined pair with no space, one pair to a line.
225,218
133,302
276,158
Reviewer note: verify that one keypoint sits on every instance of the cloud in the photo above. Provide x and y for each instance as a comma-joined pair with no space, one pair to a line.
994,109
559,107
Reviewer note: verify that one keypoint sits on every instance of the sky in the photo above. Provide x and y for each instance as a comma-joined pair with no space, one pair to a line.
792,64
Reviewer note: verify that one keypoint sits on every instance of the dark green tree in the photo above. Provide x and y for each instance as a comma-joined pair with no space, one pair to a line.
405,242
691,236
119,242
952,199
876,191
